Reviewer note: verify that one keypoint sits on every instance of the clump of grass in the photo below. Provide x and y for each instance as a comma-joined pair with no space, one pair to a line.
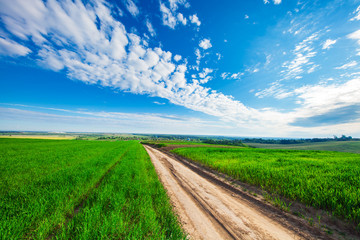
325,180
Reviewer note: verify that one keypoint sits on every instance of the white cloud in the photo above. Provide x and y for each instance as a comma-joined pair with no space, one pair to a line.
170,16
347,65
303,52
355,35
182,19
328,43
177,57
167,16
313,68
205,44
224,75
199,56
159,103
150,28
275,1
132,8
318,99
11,48
174,4
268,59
246,16
234,76
219,56
357,14
204,78
195,20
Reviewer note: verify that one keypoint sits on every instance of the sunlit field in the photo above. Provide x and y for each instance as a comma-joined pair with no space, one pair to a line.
68,189
326,180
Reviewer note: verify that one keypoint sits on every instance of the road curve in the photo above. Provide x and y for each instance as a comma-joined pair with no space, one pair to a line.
208,211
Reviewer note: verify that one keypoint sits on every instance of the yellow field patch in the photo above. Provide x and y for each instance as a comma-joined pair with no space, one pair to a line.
55,137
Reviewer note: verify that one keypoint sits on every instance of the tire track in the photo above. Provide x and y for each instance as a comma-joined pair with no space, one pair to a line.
83,198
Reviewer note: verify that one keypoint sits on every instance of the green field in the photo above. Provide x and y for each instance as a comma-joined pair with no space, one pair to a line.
339,146
67,189
326,180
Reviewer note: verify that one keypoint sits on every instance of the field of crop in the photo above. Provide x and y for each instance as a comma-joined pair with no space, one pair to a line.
326,180
339,146
69,189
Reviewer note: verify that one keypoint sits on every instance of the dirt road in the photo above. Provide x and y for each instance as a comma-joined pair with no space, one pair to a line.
207,210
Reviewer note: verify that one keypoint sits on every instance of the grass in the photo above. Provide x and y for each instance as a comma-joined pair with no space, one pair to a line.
326,180
43,181
339,146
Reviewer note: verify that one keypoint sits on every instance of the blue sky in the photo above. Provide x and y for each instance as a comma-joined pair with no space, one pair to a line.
264,68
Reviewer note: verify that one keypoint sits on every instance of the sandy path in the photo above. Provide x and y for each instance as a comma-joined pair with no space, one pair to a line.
208,211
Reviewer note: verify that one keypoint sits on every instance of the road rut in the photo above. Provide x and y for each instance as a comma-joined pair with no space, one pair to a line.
208,211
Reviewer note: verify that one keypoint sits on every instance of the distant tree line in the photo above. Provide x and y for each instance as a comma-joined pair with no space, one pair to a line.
121,138
235,142
297,141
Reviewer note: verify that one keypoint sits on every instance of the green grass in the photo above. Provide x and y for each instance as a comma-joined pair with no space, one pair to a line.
339,146
326,180
43,181
136,208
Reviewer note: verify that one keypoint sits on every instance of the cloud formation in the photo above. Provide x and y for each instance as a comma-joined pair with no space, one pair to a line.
195,20
347,65
89,44
11,48
205,44
150,28
328,43
67,37
170,15
274,1
303,52
132,8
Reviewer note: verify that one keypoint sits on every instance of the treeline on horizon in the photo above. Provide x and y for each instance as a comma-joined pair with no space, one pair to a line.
233,141
297,141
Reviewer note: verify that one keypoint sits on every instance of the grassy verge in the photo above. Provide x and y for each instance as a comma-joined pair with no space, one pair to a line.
326,180
130,203
42,182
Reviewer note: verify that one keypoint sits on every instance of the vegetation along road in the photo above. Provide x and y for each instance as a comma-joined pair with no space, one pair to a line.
208,209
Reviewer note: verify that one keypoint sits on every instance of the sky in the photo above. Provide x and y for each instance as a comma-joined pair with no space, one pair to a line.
259,68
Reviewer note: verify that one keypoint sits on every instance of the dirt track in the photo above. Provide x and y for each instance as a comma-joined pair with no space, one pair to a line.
207,210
